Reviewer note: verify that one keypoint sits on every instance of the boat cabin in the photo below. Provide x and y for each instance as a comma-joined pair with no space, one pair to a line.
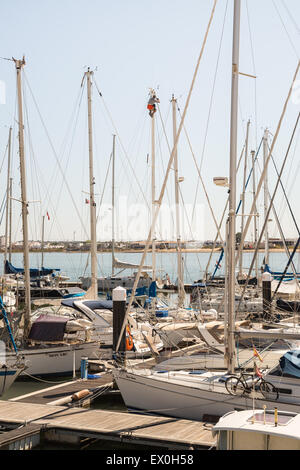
258,430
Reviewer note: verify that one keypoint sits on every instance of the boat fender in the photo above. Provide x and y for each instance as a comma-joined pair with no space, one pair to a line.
129,340
79,395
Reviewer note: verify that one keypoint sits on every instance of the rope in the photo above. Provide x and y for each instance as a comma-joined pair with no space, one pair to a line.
166,176
42,380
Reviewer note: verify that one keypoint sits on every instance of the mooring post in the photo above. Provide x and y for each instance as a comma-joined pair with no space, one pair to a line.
267,294
119,312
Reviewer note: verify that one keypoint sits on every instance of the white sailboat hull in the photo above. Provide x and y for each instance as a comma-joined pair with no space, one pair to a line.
56,360
188,401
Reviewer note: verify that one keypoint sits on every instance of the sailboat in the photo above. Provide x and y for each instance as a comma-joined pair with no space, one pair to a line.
108,283
201,393
45,345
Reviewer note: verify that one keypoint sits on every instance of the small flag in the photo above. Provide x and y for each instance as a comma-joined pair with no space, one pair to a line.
48,215
257,371
256,354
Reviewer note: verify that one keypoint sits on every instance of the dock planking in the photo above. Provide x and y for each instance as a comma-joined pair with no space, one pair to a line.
60,421
66,389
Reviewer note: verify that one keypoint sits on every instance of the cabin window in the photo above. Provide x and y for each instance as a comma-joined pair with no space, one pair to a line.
222,440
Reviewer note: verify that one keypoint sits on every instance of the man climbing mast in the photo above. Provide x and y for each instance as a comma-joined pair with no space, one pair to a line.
152,103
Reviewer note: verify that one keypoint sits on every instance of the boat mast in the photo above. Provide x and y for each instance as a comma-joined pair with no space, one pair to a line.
19,65
42,244
230,352
243,197
113,208
266,195
255,210
181,293
94,282
10,219
7,195
153,187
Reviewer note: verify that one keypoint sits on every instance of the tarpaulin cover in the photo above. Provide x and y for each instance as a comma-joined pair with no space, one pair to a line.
10,269
290,363
92,304
48,328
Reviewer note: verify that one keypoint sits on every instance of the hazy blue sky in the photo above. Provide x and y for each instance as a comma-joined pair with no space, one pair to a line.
133,45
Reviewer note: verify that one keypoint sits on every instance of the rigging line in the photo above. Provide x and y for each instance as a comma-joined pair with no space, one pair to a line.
6,148
31,152
285,28
237,211
58,162
45,185
291,16
268,213
203,185
56,173
254,73
295,173
167,174
286,198
278,223
259,186
121,143
190,228
211,98
74,117
167,141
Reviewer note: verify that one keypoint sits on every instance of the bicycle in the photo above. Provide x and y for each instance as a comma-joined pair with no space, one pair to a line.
239,385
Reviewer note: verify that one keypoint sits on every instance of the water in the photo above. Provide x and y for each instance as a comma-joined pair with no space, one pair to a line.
77,264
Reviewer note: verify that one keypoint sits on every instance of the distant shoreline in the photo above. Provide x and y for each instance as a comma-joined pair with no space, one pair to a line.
166,250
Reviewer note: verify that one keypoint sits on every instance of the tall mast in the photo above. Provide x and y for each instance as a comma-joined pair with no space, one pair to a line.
255,210
266,196
153,182
43,238
7,195
243,197
19,65
94,281
230,353
10,219
181,293
113,207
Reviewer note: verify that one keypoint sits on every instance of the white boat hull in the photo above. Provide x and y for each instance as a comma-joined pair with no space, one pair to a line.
56,360
188,401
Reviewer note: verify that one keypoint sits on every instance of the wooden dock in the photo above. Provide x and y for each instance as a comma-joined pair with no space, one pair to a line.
72,425
62,393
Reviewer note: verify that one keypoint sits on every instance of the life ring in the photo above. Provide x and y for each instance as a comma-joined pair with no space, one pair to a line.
129,340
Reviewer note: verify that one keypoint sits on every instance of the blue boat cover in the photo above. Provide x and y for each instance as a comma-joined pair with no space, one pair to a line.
290,363
10,269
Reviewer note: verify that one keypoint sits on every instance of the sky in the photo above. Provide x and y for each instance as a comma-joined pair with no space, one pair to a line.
133,46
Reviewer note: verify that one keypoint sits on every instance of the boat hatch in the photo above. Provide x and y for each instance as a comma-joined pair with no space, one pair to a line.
268,418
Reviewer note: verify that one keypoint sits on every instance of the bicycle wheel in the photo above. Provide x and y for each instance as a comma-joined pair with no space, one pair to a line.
268,390
234,386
